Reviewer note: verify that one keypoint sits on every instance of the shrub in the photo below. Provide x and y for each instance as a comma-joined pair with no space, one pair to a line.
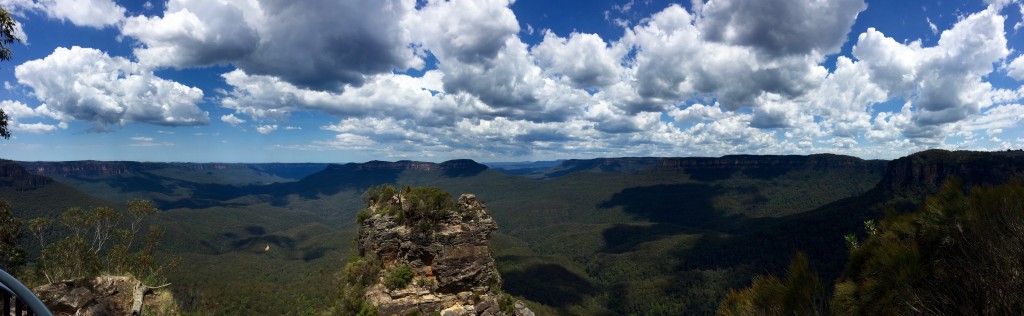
800,294
398,277
506,303
960,253
429,199
356,276
415,205
377,195
362,216
366,309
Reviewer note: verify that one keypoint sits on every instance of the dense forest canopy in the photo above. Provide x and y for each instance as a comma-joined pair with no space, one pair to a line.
961,252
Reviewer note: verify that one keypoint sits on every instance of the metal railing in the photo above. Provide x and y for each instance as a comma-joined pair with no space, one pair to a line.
17,299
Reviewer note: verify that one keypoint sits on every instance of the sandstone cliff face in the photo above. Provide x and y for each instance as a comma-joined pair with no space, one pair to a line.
105,295
81,168
15,176
925,172
453,271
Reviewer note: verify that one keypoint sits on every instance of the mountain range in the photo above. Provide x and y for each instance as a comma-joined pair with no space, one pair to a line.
635,235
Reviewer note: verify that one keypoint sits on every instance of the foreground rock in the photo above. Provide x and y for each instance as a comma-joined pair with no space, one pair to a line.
437,263
105,295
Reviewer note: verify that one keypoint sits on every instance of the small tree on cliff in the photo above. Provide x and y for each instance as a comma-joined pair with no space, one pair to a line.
7,37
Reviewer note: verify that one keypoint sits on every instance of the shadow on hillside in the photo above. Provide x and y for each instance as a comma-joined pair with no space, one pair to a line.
142,182
333,179
675,209
709,174
686,204
546,283
465,172
255,230
256,243
818,233
725,173
624,238
765,173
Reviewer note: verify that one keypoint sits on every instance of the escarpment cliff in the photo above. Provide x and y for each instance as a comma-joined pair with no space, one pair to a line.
926,171
754,164
16,177
423,252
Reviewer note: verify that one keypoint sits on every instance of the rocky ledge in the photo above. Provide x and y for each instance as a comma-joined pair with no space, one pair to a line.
434,263
105,295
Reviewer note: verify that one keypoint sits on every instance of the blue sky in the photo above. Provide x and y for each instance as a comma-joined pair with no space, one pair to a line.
499,80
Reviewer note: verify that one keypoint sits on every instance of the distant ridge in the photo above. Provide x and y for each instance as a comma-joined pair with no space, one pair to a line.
814,160
734,162
338,177
624,164
457,166
34,195
86,168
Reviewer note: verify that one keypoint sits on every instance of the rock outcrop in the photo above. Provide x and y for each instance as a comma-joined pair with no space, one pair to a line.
452,271
105,295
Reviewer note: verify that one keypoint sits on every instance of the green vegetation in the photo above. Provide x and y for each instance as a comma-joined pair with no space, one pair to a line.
7,37
359,273
228,272
612,243
8,28
397,277
362,216
12,255
959,253
584,243
418,207
800,294
98,240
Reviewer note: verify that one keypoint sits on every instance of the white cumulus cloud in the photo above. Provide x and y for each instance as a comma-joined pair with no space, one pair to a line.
89,13
266,129
232,120
89,85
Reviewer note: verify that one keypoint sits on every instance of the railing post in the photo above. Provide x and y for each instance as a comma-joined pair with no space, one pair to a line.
23,294
7,299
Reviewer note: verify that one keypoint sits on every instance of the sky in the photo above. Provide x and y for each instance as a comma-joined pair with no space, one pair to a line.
502,80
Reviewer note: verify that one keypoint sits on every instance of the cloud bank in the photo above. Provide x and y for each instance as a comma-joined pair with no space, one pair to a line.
454,78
